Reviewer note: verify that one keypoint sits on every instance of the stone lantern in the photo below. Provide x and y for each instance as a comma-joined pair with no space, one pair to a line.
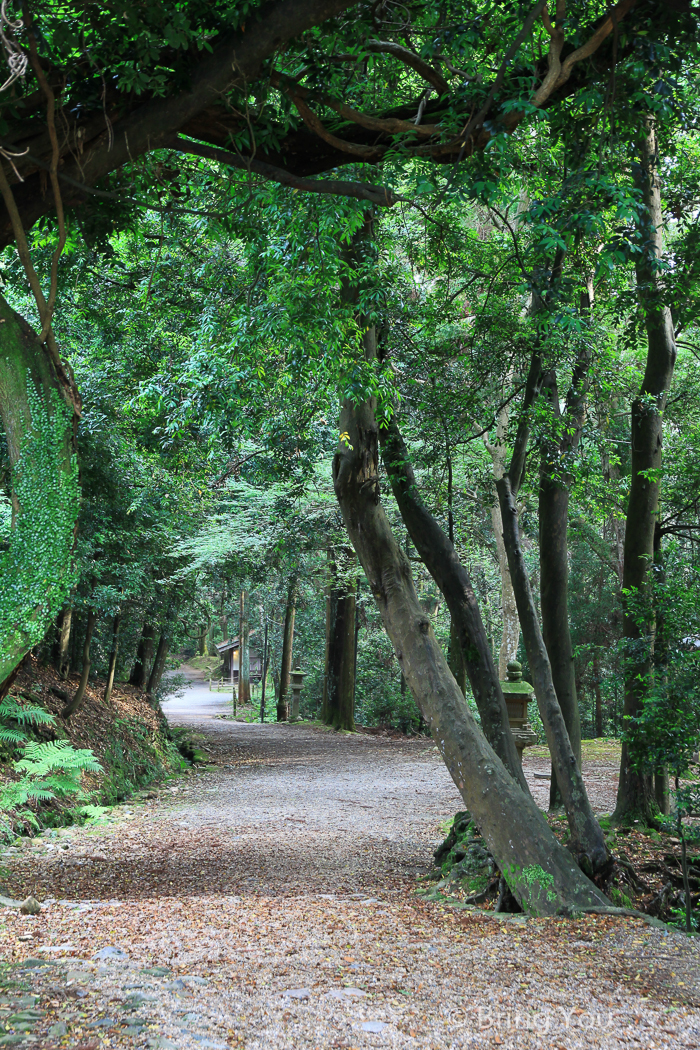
296,680
518,695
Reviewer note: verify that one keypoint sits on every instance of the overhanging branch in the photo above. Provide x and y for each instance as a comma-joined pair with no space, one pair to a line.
380,195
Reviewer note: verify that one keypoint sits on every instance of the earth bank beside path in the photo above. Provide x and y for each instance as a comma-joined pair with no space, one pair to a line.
270,903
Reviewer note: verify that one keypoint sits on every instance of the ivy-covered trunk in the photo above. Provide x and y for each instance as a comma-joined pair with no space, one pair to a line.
38,407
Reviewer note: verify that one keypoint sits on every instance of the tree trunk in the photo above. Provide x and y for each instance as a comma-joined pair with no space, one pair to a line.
587,839
38,407
554,604
158,663
339,706
510,638
265,661
243,651
455,658
76,703
538,870
62,654
443,564
287,646
113,657
635,795
144,653
554,557
598,695
202,640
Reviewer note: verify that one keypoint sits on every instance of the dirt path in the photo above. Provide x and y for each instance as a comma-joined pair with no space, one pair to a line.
270,903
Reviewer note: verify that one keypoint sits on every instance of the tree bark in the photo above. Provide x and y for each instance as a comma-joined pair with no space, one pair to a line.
339,692
555,479
510,637
598,695
77,701
443,564
635,795
265,661
540,872
38,406
62,654
158,663
587,839
287,647
144,653
243,651
113,657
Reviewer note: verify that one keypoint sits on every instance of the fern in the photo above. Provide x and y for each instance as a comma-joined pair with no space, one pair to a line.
42,759
50,769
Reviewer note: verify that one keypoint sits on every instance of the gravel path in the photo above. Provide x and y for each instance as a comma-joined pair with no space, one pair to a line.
270,903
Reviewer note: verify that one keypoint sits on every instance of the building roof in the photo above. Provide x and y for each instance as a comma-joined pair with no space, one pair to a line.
232,643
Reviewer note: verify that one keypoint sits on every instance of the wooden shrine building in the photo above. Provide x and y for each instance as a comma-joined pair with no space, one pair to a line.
230,655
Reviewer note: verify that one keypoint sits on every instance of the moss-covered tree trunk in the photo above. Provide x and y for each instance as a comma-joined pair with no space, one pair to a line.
38,407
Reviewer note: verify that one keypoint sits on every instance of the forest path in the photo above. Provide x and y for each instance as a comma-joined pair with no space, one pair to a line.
269,903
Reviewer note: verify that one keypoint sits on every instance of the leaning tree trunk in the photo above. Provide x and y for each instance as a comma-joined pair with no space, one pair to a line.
635,795
587,839
287,647
77,702
38,406
443,563
144,654
244,651
113,657
539,871
158,663
339,687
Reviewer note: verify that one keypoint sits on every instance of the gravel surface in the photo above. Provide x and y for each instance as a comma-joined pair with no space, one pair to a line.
270,903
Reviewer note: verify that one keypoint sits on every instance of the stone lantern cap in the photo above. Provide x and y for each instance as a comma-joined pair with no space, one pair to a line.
514,683
297,677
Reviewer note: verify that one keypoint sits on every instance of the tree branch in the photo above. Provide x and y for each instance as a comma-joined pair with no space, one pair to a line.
380,195
410,58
